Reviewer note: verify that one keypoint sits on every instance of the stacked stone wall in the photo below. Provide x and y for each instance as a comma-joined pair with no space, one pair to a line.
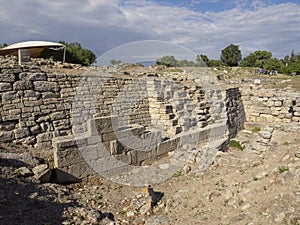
278,108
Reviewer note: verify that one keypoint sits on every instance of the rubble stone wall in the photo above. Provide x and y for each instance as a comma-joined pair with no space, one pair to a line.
36,106
277,108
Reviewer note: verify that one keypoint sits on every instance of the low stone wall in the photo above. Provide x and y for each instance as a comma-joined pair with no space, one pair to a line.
104,150
277,108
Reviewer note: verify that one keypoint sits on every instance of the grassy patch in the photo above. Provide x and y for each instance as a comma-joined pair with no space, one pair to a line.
220,185
51,161
236,144
286,143
283,169
177,174
256,129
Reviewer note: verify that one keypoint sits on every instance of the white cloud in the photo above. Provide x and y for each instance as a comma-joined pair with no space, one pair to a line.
102,25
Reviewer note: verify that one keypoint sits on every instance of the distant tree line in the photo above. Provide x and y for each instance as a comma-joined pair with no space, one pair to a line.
232,56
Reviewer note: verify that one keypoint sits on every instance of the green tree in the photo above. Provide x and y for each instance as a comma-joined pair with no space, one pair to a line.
257,59
274,64
184,62
215,63
294,68
202,60
169,61
76,54
231,55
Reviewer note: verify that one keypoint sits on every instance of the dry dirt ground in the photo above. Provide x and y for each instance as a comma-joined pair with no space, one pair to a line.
258,184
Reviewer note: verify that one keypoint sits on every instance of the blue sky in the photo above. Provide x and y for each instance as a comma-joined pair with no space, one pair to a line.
203,26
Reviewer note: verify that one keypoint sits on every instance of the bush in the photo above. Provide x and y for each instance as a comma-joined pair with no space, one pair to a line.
236,144
78,55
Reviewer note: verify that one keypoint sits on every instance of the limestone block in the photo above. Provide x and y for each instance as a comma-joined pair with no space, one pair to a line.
35,129
278,103
7,126
45,86
10,78
15,111
21,133
167,146
61,124
80,170
38,77
125,158
67,157
297,114
57,115
270,103
48,136
296,119
5,87
101,125
7,135
22,85
276,113
30,93
33,102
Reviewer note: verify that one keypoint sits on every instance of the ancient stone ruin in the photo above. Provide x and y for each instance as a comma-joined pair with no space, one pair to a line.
128,117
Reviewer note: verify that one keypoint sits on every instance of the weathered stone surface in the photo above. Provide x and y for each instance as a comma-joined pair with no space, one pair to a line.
42,173
21,133
38,77
23,85
25,172
44,137
7,78
45,86
5,87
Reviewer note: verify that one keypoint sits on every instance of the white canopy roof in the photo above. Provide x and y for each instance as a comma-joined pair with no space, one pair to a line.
35,47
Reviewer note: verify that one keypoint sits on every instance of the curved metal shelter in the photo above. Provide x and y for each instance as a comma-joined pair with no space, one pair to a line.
35,48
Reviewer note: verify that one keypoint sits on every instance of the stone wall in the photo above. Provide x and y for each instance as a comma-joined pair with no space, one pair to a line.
277,108
42,109
34,105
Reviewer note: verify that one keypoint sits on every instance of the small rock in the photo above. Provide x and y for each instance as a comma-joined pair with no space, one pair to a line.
265,134
280,217
257,81
285,158
25,172
245,206
261,175
131,213
186,169
228,195
164,166
256,163
42,173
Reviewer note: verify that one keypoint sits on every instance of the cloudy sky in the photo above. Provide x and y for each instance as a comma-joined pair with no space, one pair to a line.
203,26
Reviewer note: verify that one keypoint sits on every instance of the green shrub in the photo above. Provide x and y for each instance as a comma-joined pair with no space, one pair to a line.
256,129
283,169
236,144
